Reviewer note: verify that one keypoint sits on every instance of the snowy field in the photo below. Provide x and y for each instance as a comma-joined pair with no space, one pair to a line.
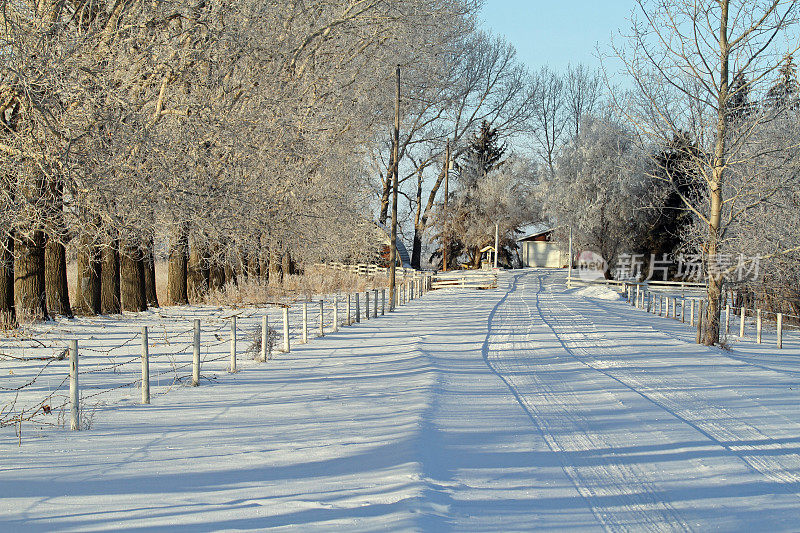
526,407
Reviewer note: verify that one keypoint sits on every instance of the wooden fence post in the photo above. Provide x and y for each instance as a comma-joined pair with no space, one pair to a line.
321,318
196,358
741,323
74,407
758,326
699,335
286,329
233,345
366,305
305,323
335,313
638,290
780,330
265,338
358,310
675,307
145,367
347,321
691,316
727,318
376,302
383,302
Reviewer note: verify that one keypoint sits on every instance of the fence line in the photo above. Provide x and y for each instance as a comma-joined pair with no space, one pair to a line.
639,296
164,354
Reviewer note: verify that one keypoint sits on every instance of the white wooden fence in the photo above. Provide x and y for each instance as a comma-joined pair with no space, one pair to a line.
472,279
688,309
366,269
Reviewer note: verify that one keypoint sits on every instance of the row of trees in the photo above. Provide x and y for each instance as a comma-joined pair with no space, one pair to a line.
231,136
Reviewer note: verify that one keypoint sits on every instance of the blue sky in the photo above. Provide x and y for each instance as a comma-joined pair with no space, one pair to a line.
557,32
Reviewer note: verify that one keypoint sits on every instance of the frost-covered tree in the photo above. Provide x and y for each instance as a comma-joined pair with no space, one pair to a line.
683,57
599,188
489,190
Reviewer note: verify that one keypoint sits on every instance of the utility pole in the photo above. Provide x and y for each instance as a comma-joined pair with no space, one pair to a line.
395,169
445,240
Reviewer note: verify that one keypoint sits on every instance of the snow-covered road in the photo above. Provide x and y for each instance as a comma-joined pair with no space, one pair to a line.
528,407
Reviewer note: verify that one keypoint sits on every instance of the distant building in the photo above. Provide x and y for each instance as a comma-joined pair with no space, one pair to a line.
538,249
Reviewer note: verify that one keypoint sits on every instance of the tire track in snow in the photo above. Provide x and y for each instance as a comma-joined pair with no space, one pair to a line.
580,337
620,495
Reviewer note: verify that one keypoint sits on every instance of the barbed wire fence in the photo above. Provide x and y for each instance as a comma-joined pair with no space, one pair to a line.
42,389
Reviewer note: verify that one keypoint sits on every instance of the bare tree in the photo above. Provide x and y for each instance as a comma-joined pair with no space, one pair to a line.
549,120
682,57
582,93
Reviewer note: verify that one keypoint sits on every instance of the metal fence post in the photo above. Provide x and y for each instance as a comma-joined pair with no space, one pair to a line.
265,338
335,313
75,417
196,358
233,345
321,318
286,329
758,326
145,367
305,323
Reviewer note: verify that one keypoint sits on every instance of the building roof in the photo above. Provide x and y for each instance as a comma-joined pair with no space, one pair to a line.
535,230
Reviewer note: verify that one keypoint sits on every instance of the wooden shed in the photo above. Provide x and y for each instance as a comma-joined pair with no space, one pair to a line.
538,249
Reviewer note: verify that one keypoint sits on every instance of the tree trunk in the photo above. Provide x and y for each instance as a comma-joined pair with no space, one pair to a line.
710,332
216,277
87,290
229,272
253,267
177,288
274,267
476,257
422,214
241,266
7,317
29,294
198,273
109,280
416,250
131,277
287,265
55,279
149,267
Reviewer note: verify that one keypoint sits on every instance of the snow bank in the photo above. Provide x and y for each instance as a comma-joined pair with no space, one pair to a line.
601,292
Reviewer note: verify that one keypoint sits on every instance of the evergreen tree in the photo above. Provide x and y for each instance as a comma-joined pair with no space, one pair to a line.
485,150
784,94
675,175
739,105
